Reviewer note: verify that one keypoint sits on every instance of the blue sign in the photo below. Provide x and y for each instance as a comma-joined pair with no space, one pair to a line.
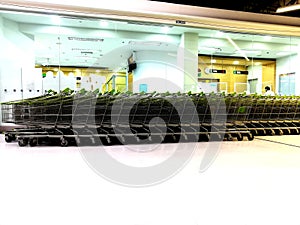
143,88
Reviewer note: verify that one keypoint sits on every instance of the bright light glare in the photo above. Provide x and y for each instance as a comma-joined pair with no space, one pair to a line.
56,20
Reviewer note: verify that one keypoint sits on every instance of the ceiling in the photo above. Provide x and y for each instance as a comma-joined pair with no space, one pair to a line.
89,42
255,6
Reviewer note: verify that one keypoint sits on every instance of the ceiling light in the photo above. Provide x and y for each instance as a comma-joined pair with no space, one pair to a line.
219,34
236,62
165,29
288,8
213,61
257,63
267,38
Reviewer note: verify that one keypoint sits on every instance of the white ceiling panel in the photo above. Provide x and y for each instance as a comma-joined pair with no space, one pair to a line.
91,42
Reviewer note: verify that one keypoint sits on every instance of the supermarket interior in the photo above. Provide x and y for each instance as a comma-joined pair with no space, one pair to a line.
147,113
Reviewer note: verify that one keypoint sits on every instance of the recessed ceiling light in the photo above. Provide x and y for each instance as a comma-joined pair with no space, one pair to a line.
236,62
219,34
165,29
213,61
267,38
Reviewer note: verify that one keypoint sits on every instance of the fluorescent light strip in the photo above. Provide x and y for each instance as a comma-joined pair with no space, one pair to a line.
288,8
237,48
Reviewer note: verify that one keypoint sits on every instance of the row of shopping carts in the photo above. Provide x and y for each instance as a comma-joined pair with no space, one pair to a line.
126,118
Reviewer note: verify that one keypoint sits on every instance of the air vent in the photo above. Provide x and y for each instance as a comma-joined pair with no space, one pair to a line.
87,52
147,43
86,39
148,24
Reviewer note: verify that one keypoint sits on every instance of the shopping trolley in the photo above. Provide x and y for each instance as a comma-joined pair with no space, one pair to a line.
237,112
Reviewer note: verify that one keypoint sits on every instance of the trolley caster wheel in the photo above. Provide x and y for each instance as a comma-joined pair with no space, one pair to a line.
239,137
229,137
207,137
250,137
8,138
13,137
33,142
204,138
22,142
270,132
262,133
63,142
286,131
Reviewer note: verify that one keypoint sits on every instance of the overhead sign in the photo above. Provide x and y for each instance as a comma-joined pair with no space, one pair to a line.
240,72
207,70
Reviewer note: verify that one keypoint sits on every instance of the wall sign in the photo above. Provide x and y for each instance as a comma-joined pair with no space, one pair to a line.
143,88
208,71
240,72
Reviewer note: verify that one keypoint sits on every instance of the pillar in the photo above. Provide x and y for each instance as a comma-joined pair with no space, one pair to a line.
188,60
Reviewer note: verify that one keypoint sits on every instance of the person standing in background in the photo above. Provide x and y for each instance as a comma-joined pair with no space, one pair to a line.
268,91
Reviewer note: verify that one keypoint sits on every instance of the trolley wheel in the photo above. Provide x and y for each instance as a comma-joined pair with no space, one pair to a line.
239,137
63,142
33,142
8,138
13,137
22,142
229,137
286,131
278,132
270,132
207,137
250,136
204,137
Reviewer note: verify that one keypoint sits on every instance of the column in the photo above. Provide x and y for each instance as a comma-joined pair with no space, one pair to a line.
188,60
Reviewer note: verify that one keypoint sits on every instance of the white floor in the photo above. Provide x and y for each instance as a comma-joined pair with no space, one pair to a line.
249,183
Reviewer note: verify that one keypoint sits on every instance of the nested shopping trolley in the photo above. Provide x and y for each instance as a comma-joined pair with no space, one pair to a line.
46,119
123,118
274,115
18,112
238,108
141,118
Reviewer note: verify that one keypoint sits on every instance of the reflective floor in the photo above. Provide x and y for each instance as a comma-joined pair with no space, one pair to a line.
244,183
